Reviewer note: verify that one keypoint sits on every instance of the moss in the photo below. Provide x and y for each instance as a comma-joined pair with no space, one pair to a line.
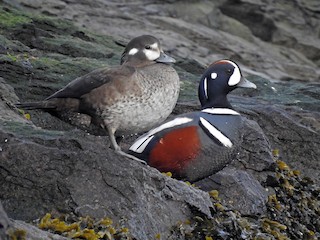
17,234
25,130
11,18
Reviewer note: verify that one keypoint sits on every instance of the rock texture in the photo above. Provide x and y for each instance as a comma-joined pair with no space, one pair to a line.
277,39
48,165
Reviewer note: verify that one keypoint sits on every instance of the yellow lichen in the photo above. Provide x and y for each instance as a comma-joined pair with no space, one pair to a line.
208,238
219,206
296,172
112,230
57,225
27,116
124,230
288,187
17,234
275,153
272,199
282,165
168,174
106,221
86,233
158,236
214,194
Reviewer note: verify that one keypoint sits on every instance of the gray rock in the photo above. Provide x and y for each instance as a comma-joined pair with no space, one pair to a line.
33,232
277,39
4,223
43,171
239,189
239,184
298,144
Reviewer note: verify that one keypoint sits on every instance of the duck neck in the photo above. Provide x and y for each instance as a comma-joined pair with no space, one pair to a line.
220,101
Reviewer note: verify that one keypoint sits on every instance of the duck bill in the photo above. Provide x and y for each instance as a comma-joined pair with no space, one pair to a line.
244,83
164,58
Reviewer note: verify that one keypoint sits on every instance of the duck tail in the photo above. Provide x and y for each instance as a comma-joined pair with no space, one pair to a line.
36,105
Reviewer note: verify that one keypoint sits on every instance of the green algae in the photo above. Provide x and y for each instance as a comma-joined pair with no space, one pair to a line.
10,18
25,130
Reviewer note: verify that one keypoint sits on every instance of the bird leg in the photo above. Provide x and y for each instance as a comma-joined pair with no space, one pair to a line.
117,148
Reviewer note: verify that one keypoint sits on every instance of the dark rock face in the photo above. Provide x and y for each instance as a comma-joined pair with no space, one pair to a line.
275,39
47,165
4,223
78,173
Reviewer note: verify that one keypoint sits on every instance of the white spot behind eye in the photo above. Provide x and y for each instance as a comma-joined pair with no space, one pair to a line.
205,87
236,75
214,75
133,51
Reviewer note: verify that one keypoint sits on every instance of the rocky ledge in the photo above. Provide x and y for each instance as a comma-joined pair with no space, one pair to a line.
66,181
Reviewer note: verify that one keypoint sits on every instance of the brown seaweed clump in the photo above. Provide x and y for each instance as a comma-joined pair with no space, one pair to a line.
293,211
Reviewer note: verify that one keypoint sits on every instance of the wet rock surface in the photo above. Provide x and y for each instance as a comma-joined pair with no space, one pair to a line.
48,165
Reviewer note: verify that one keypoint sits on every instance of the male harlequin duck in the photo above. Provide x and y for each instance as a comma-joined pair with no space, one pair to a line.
131,98
197,144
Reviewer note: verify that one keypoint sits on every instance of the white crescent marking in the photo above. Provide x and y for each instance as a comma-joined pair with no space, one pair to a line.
205,86
236,75
216,133
141,143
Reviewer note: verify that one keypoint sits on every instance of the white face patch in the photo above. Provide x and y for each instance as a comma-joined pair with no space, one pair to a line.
236,75
214,75
216,133
153,53
224,111
142,142
205,87
133,51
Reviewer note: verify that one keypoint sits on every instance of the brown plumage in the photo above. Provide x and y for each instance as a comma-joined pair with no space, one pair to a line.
130,98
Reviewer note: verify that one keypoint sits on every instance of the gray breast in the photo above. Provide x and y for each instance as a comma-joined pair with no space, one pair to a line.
159,85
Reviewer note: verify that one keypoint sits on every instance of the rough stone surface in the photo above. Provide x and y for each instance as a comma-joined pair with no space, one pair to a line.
239,189
277,39
4,223
48,165
32,232
78,173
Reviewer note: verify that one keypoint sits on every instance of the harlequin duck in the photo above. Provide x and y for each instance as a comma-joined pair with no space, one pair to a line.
197,144
131,98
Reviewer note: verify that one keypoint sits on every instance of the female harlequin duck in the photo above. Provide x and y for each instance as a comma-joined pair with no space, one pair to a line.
197,144
131,98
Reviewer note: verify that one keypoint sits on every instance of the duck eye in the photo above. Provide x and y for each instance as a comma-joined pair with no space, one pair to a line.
229,71
147,47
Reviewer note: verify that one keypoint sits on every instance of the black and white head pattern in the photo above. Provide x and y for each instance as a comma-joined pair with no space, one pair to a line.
231,70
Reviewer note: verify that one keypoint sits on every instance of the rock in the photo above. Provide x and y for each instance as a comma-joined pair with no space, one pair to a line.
239,189
239,184
279,39
29,232
78,173
4,223
298,144
47,165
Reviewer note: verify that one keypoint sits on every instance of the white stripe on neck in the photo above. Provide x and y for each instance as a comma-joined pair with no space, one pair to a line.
226,111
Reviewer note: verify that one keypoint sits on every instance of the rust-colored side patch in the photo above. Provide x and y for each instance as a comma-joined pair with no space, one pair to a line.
175,150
